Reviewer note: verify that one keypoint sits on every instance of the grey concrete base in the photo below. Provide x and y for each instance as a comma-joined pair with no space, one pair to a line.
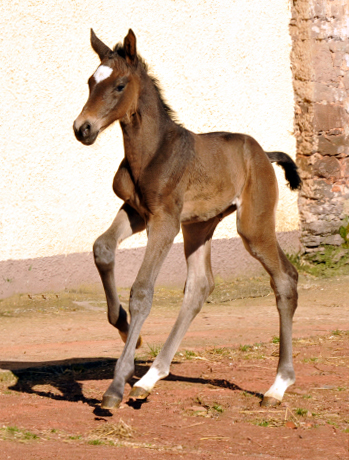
32,276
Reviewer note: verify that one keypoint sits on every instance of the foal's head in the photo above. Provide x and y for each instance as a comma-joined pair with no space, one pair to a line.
114,89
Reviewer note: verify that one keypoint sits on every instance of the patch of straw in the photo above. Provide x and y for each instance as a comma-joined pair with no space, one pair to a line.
112,432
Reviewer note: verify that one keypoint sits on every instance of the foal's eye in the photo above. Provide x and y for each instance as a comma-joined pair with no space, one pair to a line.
119,88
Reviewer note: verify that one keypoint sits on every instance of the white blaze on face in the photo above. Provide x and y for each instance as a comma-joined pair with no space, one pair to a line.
102,73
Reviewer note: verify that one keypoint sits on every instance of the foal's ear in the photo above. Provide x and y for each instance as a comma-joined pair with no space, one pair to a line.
99,47
130,48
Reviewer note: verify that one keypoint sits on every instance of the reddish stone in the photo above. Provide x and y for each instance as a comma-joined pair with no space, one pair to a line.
336,189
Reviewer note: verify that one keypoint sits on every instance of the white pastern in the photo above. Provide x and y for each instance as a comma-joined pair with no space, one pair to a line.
279,387
102,73
148,381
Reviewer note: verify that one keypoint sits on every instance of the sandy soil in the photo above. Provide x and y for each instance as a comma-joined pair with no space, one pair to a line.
57,355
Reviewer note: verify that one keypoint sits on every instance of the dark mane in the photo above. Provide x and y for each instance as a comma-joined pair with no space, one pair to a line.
120,51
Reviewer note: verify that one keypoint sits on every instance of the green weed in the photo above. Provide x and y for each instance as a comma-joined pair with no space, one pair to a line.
311,360
154,350
96,442
218,408
328,261
344,233
14,432
189,354
336,332
245,348
264,423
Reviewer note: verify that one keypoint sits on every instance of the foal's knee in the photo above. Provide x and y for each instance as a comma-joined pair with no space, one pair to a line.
104,255
141,297
286,292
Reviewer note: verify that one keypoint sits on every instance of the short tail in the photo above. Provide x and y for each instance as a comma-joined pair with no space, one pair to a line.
289,166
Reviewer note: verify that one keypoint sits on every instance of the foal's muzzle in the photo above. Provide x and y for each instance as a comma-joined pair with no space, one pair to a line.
85,132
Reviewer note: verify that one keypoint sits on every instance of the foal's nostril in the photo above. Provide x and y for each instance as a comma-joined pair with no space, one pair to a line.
85,129
85,132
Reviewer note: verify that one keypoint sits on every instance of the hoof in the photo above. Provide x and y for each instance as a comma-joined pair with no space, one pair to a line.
269,401
110,402
138,393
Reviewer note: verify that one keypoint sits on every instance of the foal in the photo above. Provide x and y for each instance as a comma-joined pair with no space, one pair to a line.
171,177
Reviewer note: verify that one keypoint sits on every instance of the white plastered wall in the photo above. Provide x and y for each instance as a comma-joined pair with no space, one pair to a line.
223,65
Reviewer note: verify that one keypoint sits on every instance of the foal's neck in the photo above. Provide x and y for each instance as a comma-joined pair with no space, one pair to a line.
145,130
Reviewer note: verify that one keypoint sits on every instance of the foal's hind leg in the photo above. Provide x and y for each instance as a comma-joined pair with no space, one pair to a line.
257,228
126,223
199,284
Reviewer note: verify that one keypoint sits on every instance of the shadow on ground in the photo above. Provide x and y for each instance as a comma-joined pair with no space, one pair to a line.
67,377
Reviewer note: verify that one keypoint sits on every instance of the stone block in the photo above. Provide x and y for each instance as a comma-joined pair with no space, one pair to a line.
318,8
328,167
325,93
328,116
322,189
317,189
332,145
321,227
310,241
334,240
337,46
322,63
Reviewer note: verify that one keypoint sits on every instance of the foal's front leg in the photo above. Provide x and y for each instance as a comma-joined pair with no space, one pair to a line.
199,284
126,223
161,234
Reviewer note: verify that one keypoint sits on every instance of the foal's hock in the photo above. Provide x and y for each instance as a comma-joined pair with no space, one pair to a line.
171,177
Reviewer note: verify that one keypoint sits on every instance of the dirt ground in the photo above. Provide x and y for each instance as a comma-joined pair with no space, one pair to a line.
57,355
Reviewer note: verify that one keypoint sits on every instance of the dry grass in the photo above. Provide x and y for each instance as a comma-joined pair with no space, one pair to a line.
112,432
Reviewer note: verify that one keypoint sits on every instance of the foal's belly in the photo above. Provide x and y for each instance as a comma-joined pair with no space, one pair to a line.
202,210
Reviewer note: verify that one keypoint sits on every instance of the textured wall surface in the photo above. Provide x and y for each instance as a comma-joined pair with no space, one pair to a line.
223,66
320,58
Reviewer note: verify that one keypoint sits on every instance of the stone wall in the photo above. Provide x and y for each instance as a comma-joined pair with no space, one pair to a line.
320,64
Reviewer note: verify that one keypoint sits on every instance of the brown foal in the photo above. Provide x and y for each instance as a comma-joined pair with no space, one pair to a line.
171,177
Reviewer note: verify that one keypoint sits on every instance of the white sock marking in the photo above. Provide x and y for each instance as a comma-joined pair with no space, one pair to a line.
102,73
279,387
148,381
